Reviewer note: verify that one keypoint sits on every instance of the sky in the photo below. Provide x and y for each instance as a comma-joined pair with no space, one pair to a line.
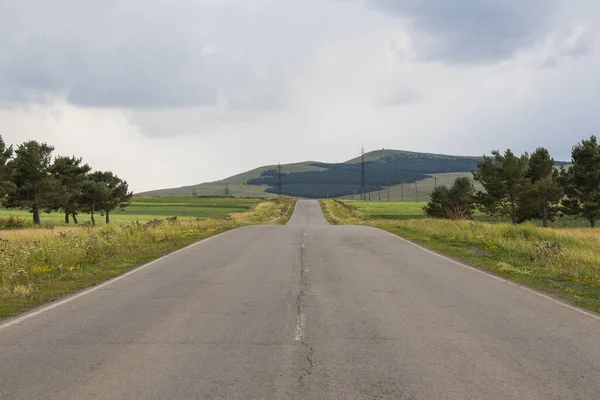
167,93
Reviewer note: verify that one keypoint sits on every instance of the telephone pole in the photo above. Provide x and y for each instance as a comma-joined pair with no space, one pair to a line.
379,190
402,190
417,190
226,192
388,190
279,179
363,181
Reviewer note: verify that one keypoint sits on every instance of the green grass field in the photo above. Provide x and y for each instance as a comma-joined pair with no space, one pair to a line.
144,209
412,210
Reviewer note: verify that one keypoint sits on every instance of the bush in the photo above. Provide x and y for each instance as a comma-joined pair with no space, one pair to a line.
12,223
458,202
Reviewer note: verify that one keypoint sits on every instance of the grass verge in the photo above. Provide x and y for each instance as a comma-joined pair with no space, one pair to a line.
562,262
42,265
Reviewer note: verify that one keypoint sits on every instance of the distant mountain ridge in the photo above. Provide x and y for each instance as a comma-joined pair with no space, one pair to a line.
313,179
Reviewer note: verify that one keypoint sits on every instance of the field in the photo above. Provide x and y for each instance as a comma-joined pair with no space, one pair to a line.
375,210
563,262
38,265
144,209
408,192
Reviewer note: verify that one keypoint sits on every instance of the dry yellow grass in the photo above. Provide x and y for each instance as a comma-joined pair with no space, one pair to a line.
35,233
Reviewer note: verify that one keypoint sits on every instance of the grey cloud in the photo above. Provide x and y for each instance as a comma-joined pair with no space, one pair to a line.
472,31
579,44
401,96
570,45
134,55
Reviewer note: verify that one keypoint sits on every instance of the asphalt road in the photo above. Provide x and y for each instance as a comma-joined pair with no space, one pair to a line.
303,311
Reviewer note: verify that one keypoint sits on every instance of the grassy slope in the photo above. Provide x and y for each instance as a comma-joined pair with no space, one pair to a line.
377,154
238,188
235,183
562,262
41,265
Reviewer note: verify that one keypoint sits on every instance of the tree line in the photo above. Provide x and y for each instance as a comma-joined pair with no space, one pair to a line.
526,187
31,178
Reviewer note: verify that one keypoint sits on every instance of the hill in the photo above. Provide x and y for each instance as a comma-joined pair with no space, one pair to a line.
315,179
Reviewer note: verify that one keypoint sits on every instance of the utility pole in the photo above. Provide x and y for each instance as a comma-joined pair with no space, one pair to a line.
363,181
417,190
379,189
226,192
354,194
435,181
388,190
402,190
279,179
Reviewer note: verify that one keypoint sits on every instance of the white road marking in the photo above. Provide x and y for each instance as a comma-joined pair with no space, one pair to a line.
49,307
294,213
579,310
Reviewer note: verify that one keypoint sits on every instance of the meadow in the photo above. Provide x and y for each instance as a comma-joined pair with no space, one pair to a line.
144,209
41,264
561,261
397,210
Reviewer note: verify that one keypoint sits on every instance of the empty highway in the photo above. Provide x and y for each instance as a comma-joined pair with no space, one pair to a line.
303,311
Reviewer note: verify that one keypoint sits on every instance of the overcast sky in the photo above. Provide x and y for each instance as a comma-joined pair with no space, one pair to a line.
168,93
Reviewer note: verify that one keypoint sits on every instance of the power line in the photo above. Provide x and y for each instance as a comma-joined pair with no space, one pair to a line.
417,190
279,178
388,190
402,190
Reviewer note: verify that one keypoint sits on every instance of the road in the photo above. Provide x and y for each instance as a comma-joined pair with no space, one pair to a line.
303,311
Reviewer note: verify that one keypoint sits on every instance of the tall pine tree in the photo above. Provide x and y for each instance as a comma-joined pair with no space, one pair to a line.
70,173
544,191
35,188
504,178
582,181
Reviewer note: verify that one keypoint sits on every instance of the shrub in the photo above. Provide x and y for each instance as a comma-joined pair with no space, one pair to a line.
12,223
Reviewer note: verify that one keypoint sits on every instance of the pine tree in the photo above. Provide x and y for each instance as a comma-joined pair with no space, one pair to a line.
544,192
34,187
582,181
504,178
71,174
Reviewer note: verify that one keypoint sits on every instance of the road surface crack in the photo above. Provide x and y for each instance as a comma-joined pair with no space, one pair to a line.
301,316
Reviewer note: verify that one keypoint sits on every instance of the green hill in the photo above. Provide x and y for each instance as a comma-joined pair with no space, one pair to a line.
316,179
